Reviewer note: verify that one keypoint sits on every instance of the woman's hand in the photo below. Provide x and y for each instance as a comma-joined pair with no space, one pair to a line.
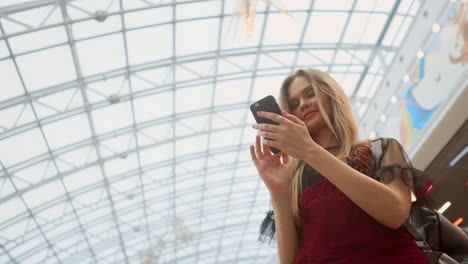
275,175
290,136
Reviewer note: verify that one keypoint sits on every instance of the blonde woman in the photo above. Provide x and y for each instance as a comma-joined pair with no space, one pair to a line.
326,207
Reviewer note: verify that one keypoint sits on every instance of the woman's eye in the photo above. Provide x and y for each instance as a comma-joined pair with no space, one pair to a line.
310,94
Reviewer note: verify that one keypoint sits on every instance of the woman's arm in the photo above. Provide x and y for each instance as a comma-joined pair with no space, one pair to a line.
388,204
277,175
286,233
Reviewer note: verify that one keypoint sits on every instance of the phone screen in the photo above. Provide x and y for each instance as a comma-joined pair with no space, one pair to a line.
266,104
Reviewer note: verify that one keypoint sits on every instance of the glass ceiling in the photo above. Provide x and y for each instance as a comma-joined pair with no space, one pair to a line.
124,125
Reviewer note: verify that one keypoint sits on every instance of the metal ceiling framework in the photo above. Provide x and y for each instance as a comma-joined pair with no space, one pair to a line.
183,206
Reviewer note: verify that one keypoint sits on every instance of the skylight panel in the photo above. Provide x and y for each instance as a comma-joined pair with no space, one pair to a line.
191,145
101,54
148,17
15,116
283,29
34,174
6,188
3,50
375,85
6,3
117,145
230,92
27,245
191,167
32,18
153,106
325,27
152,78
315,57
67,131
333,5
198,10
221,160
39,256
39,72
229,118
405,6
360,56
403,30
393,30
192,125
112,117
375,5
156,154
225,138
11,208
58,102
92,216
119,165
154,134
82,178
347,81
249,134
364,28
150,44
21,147
18,229
38,39
44,194
269,85
206,39
127,188
193,98
414,8
76,158
83,9
92,27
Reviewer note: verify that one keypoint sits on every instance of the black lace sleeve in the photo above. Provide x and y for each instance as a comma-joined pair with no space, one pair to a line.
267,228
395,163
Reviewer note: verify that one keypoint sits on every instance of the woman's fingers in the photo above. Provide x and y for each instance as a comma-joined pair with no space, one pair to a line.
258,148
269,135
279,119
267,127
293,118
253,155
266,148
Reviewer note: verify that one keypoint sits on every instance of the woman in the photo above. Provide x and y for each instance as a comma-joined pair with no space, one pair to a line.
326,207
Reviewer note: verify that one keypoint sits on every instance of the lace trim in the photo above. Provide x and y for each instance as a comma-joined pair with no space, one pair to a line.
421,183
387,174
267,228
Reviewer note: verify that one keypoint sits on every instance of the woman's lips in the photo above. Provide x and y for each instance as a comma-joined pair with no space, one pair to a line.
309,114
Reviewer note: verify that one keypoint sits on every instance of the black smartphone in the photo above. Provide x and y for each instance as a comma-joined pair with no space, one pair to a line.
266,104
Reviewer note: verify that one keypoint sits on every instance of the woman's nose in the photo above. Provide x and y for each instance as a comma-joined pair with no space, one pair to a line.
303,104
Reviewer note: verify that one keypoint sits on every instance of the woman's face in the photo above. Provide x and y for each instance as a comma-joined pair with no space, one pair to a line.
304,105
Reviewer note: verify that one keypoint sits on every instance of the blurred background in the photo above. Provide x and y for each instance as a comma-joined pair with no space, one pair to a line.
125,124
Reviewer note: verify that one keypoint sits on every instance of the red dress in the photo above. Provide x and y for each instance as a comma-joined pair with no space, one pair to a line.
335,230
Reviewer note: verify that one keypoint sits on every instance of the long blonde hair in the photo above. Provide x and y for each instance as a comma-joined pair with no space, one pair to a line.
341,122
